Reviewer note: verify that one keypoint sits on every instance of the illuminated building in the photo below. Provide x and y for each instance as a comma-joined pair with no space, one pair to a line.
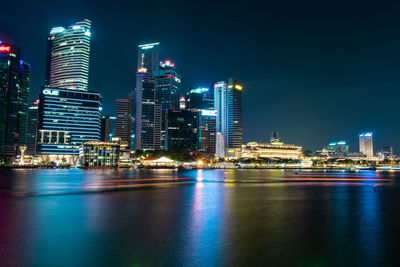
228,103
31,135
123,122
148,113
148,57
199,98
234,133
67,118
340,148
14,91
168,82
386,152
68,51
207,132
220,89
277,150
366,144
182,130
95,154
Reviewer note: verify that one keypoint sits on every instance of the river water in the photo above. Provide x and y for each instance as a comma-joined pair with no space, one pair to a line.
74,217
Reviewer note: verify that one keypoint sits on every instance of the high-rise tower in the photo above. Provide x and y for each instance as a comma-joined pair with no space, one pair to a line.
14,91
229,124
366,144
68,52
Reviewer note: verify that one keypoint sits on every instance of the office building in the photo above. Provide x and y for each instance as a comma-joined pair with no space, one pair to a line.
366,144
95,154
68,51
31,135
168,82
229,125
199,98
123,122
148,57
14,91
220,105
148,113
340,148
182,130
67,118
207,132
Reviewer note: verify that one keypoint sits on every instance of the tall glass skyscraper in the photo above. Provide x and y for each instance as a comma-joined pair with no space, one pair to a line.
168,82
229,122
148,112
14,91
68,52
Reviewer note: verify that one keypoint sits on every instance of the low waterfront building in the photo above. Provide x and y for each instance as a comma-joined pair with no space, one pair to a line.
158,162
277,150
96,154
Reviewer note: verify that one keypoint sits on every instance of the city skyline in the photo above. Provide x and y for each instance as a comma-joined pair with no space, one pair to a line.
301,100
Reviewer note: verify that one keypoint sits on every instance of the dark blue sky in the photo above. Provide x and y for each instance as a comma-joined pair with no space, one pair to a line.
317,71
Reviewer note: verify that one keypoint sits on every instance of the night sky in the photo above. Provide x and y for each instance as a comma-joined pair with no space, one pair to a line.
316,72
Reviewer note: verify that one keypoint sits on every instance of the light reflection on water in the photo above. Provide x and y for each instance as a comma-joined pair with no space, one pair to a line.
198,218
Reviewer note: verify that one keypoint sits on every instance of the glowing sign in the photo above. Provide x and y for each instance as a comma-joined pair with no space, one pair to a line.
341,142
50,92
57,30
142,70
230,86
368,134
239,87
167,63
148,46
206,112
4,48
199,90
76,27
88,33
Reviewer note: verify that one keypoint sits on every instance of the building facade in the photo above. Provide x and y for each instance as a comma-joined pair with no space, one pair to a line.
207,132
14,91
148,117
31,135
366,144
68,51
67,118
123,122
277,150
229,122
95,154
182,130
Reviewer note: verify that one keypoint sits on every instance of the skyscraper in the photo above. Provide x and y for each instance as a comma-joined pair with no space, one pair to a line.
123,123
234,137
168,82
68,51
366,144
148,113
14,91
31,135
207,132
182,132
67,118
148,57
199,98
220,105
229,124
